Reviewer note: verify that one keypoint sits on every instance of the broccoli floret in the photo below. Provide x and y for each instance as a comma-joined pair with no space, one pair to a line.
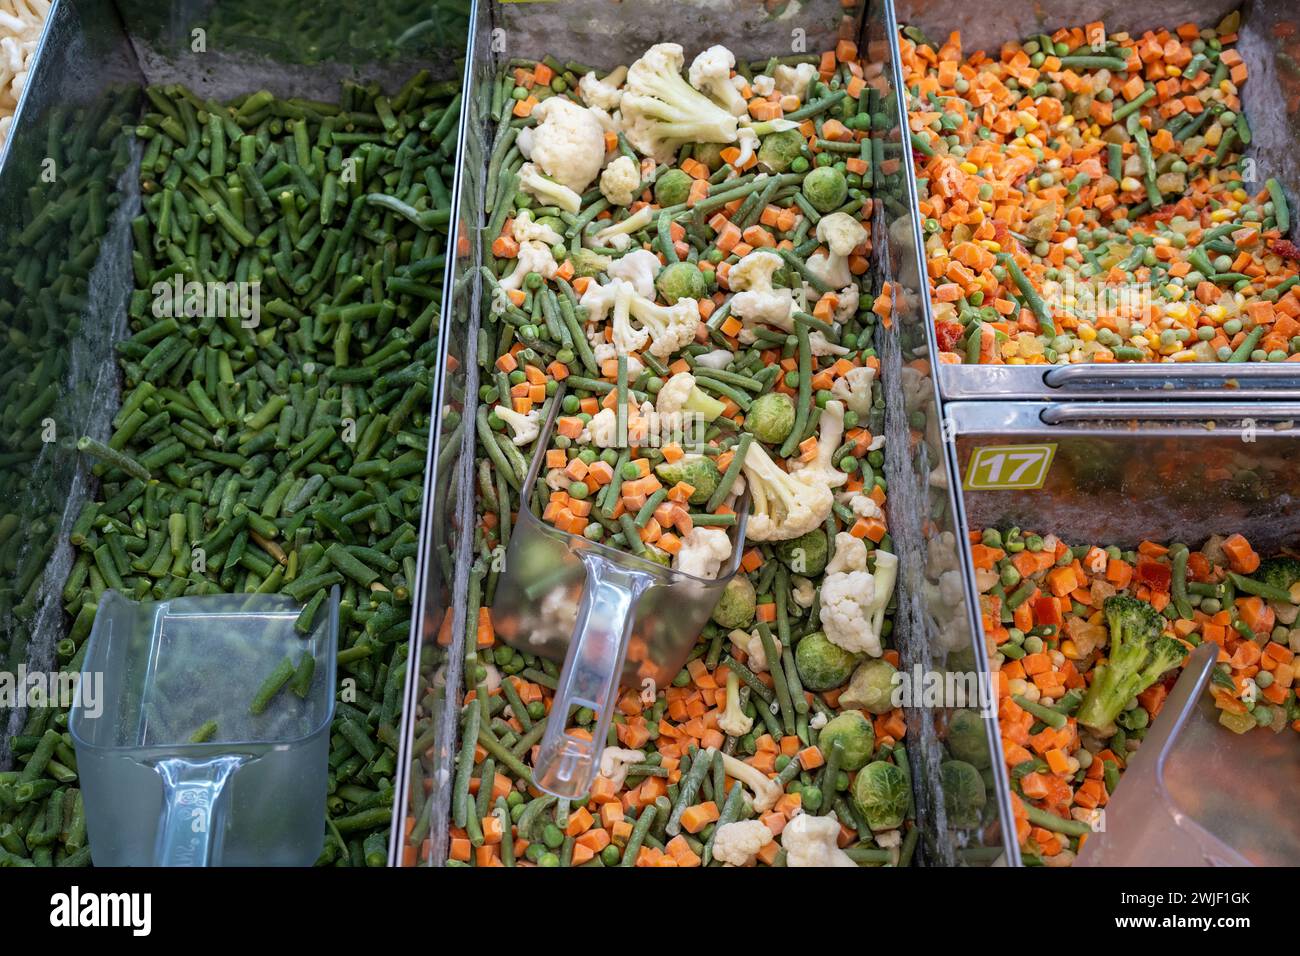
1139,654
1280,572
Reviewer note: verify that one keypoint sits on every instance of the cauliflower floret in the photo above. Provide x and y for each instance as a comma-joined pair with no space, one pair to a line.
533,257
660,111
674,393
604,93
850,555
557,480
734,722
784,505
811,841
525,230
766,791
638,267
618,295
750,643
548,191
794,80
755,301
819,344
802,590
830,431
614,762
763,85
842,234
606,351
567,142
847,592
747,140
619,235
854,599
736,844
703,553
619,181
604,428
853,388
525,427
848,303
864,507
717,359
599,299
671,327
680,394
710,73
941,552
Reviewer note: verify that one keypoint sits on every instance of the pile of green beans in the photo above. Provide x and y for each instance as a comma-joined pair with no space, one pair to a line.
53,241
349,31
282,455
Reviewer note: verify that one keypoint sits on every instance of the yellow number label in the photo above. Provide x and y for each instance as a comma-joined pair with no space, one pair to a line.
1009,467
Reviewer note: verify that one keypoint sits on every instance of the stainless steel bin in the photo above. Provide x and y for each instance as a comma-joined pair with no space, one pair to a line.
921,515
68,153
1270,101
1125,472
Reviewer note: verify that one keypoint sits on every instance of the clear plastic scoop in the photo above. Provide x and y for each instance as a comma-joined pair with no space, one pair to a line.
1197,794
611,616
160,676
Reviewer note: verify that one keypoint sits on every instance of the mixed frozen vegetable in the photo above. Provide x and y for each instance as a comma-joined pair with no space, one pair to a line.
1084,199
272,448
1086,641
676,255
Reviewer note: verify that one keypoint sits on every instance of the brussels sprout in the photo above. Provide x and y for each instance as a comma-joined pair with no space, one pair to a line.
553,222
736,606
805,554
672,187
588,263
779,150
770,417
826,188
881,794
854,733
658,556
967,740
963,794
872,687
821,664
962,660
698,471
710,154
681,280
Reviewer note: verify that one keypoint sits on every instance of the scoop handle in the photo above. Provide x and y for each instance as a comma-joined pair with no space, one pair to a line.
567,764
192,820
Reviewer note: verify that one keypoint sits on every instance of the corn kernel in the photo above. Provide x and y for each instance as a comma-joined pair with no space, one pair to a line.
1087,332
1128,184
969,167
1223,214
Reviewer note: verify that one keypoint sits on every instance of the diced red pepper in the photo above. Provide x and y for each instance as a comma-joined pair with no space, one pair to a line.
948,334
1154,574
1047,611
